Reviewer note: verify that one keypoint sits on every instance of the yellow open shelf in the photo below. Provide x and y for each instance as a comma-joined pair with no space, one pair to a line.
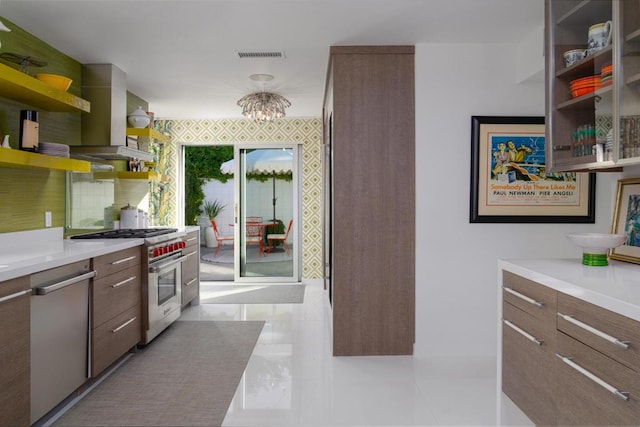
147,132
10,158
22,87
148,176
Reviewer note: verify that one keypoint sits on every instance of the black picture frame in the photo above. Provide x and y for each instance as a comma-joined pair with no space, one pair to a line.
515,187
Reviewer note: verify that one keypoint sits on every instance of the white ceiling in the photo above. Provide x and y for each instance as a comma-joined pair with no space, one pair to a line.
180,55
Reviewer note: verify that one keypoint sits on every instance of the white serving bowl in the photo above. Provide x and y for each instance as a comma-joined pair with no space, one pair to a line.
596,245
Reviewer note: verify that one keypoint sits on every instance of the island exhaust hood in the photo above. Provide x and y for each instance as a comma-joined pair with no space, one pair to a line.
104,129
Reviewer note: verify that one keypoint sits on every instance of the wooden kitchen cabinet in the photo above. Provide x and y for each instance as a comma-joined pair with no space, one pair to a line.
15,308
529,346
191,268
369,122
600,129
582,401
116,307
584,368
578,319
604,344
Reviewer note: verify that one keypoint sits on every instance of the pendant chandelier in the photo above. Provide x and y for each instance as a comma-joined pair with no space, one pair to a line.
263,106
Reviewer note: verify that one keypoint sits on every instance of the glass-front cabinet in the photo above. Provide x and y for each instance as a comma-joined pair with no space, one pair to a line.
593,84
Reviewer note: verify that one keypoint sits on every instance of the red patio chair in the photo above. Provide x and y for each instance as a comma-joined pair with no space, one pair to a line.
220,239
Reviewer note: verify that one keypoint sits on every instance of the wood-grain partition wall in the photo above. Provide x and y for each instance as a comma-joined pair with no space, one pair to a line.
370,96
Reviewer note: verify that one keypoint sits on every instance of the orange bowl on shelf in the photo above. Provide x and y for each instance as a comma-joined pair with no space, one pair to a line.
585,80
592,87
54,80
580,92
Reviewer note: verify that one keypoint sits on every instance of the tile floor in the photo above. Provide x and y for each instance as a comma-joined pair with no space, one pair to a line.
292,379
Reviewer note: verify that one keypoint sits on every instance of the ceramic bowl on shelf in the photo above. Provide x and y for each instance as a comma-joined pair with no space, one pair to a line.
595,246
138,118
57,81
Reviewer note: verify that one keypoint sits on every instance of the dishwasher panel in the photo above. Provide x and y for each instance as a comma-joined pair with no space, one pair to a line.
59,334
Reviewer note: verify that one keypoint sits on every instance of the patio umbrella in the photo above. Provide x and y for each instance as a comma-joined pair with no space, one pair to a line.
269,161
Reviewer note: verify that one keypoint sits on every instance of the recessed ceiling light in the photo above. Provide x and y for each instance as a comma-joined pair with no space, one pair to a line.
261,77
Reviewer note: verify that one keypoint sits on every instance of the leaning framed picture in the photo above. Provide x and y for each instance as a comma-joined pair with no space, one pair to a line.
626,220
509,179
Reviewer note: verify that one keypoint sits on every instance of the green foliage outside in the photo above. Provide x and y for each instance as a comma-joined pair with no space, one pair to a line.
213,209
202,163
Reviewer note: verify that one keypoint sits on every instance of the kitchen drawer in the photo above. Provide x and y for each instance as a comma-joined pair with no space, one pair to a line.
15,352
115,293
114,338
583,401
529,324
599,327
189,290
190,274
116,261
190,266
528,368
193,238
532,297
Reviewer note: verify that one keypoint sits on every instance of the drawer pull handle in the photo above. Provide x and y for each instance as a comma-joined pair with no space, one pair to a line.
192,239
190,254
120,261
123,325
621,394
603,335
16,295
191,282
523,297
523,333
124,282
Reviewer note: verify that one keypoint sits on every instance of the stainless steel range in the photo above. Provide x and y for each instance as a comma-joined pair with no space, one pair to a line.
161,274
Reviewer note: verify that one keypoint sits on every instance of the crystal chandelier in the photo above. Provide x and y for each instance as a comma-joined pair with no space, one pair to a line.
263,106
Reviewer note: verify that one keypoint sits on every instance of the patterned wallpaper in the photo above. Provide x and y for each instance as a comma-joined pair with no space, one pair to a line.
228,131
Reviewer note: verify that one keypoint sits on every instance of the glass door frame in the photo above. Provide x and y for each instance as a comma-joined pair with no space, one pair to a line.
240,214
296,231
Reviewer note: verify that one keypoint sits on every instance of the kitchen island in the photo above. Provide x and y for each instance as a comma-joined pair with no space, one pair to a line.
569,340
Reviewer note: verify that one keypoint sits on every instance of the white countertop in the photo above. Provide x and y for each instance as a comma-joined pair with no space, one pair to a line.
27,252
615,287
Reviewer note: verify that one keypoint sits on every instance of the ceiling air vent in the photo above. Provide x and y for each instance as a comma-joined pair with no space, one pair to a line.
252,55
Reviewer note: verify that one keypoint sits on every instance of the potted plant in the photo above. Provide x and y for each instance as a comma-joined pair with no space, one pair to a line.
211,210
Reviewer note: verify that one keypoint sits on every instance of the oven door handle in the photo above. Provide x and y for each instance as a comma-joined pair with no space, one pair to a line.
158,268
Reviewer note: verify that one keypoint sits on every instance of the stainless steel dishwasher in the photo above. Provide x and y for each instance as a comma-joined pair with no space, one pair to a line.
59,334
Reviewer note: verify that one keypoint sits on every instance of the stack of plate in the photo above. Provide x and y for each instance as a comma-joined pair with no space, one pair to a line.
606,74
53,149
584,85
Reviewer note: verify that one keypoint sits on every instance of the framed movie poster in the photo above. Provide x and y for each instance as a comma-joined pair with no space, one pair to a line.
509,180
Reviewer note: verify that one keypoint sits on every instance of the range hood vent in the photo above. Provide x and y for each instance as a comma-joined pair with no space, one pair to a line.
112,152
104,129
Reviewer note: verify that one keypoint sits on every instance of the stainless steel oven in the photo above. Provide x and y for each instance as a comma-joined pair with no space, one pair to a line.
164,293
161,274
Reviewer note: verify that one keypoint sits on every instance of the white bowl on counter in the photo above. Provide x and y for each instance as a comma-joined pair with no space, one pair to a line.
595,246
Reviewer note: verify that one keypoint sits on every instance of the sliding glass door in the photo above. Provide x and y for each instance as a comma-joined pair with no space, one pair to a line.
266,213
256,237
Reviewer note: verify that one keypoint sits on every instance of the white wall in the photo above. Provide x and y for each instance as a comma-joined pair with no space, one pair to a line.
456,265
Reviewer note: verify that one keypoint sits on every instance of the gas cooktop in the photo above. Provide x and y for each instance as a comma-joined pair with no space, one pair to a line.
126,233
